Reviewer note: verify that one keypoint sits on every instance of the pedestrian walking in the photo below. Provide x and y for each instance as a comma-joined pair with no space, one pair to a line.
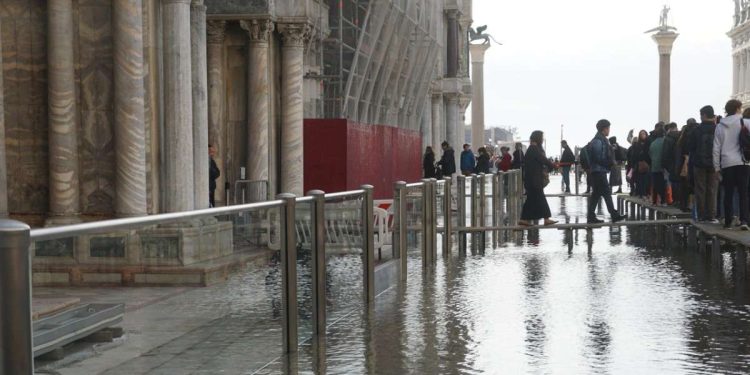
567,161
640,164
659,195
468,161
601,159
483,161
428,163
536,207
615,175
668,158
447,163
729,161
684,165
701,151
213,174
506,161
518,157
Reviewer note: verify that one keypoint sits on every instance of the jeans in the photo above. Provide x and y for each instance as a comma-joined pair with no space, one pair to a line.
601,189
566,177
735,179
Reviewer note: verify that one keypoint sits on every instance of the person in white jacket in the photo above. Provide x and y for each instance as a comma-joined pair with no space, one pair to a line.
735,172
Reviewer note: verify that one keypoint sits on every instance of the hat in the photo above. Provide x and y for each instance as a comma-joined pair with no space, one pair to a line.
602,124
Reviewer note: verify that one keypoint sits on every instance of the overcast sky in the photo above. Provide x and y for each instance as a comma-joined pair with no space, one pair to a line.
574,62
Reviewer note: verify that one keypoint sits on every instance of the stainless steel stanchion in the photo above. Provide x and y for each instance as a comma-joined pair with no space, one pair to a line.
474,211
399,225
496,187
368,246
461,200
433,220
318,266
481,211
289,319
447,220
426,219
576,178
16,348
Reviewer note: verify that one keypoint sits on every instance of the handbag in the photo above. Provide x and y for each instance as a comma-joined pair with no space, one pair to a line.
642,167
545,178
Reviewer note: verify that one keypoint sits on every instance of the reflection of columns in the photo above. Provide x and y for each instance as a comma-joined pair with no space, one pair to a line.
742,57
452,44
130,131
665,41
451,123
292,54
200,102
215,56
438,134
3,160
477,84
258,115
735,74
178,114
64,200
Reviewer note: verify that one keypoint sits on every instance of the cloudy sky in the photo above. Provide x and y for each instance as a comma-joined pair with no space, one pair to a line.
573,62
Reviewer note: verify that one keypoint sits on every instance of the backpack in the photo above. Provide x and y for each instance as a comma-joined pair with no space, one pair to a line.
705,150
744,142
585,157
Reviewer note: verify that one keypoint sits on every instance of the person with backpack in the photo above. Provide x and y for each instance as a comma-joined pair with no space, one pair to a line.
728,159
601,159
640,164
701,146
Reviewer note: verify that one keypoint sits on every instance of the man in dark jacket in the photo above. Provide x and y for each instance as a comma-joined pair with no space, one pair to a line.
668,158
700,147
567,160
213,174
601,157
447,162
518,157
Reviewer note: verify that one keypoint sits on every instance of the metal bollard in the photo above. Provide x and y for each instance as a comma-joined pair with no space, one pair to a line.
434,219
288,254
474,210
496,187
427,202
16,348
481,211
447,219
399,225
576,178
740,262
461,200
368,248
318,262
716,251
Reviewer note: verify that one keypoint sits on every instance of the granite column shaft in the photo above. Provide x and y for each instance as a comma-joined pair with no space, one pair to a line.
451,125
438,134
216,131
178,183
200,102
130,132
452,44
64,188
477,107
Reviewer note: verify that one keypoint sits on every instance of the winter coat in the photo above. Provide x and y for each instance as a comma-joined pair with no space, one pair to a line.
517,159
428,165
447,162
701,145
213,174
483,164
506,162
637,153
727,142
655,152
533,168
468,162
601,156
568,158
668,153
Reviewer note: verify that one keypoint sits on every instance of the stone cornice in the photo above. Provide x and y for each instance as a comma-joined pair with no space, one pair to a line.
215,30
258,30
294,34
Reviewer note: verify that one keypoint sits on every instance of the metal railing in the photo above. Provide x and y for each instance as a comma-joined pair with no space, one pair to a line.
505,191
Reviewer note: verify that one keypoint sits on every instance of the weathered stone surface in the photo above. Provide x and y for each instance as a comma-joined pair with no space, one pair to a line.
215,31
109,247
237,7
200,102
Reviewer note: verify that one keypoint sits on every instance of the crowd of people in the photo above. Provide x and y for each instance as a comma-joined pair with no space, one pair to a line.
703,168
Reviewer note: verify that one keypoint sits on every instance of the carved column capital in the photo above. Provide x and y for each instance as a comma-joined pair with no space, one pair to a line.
215,31
452,13
294,34
259,30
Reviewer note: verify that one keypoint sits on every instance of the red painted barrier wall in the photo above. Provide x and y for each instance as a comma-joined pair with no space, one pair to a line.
342,155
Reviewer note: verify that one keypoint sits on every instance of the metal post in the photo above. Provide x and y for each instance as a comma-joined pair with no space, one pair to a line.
716,251
447,220
461,201
433,220
576,177
481,211
740,262
496,187
399,225
16,348
474,210
368,245
426,225
317,214
288,254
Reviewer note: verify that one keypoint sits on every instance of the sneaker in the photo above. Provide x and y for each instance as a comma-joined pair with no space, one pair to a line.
712,221
744,226
593,220
618,218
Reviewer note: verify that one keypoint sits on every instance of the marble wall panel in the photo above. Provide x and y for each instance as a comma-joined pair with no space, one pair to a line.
96,95
25,93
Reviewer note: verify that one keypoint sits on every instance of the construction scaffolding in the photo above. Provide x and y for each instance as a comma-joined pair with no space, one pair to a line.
380,58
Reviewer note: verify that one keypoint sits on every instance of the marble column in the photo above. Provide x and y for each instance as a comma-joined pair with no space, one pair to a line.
178,112
129,108
293,37
463,105
741,75
665,41
215,54
438,134
3,159
735,74
258,111
426,126
451,124
200,102
64,189
452,44
477,85
746,71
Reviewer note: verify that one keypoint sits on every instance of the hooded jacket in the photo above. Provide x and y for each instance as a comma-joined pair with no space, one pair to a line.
468,162
727,143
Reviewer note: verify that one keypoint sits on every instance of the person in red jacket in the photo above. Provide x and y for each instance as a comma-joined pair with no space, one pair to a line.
505,159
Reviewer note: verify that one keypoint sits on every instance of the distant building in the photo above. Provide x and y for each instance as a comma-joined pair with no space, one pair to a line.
740,35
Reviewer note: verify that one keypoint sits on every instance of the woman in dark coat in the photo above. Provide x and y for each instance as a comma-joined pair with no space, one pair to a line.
535,161
483,161
639,162
428,163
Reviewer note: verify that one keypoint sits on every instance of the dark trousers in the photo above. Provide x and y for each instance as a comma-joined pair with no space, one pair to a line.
566,177
601,189
641,183
684,194
660,187
706,186
735,179
211,200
